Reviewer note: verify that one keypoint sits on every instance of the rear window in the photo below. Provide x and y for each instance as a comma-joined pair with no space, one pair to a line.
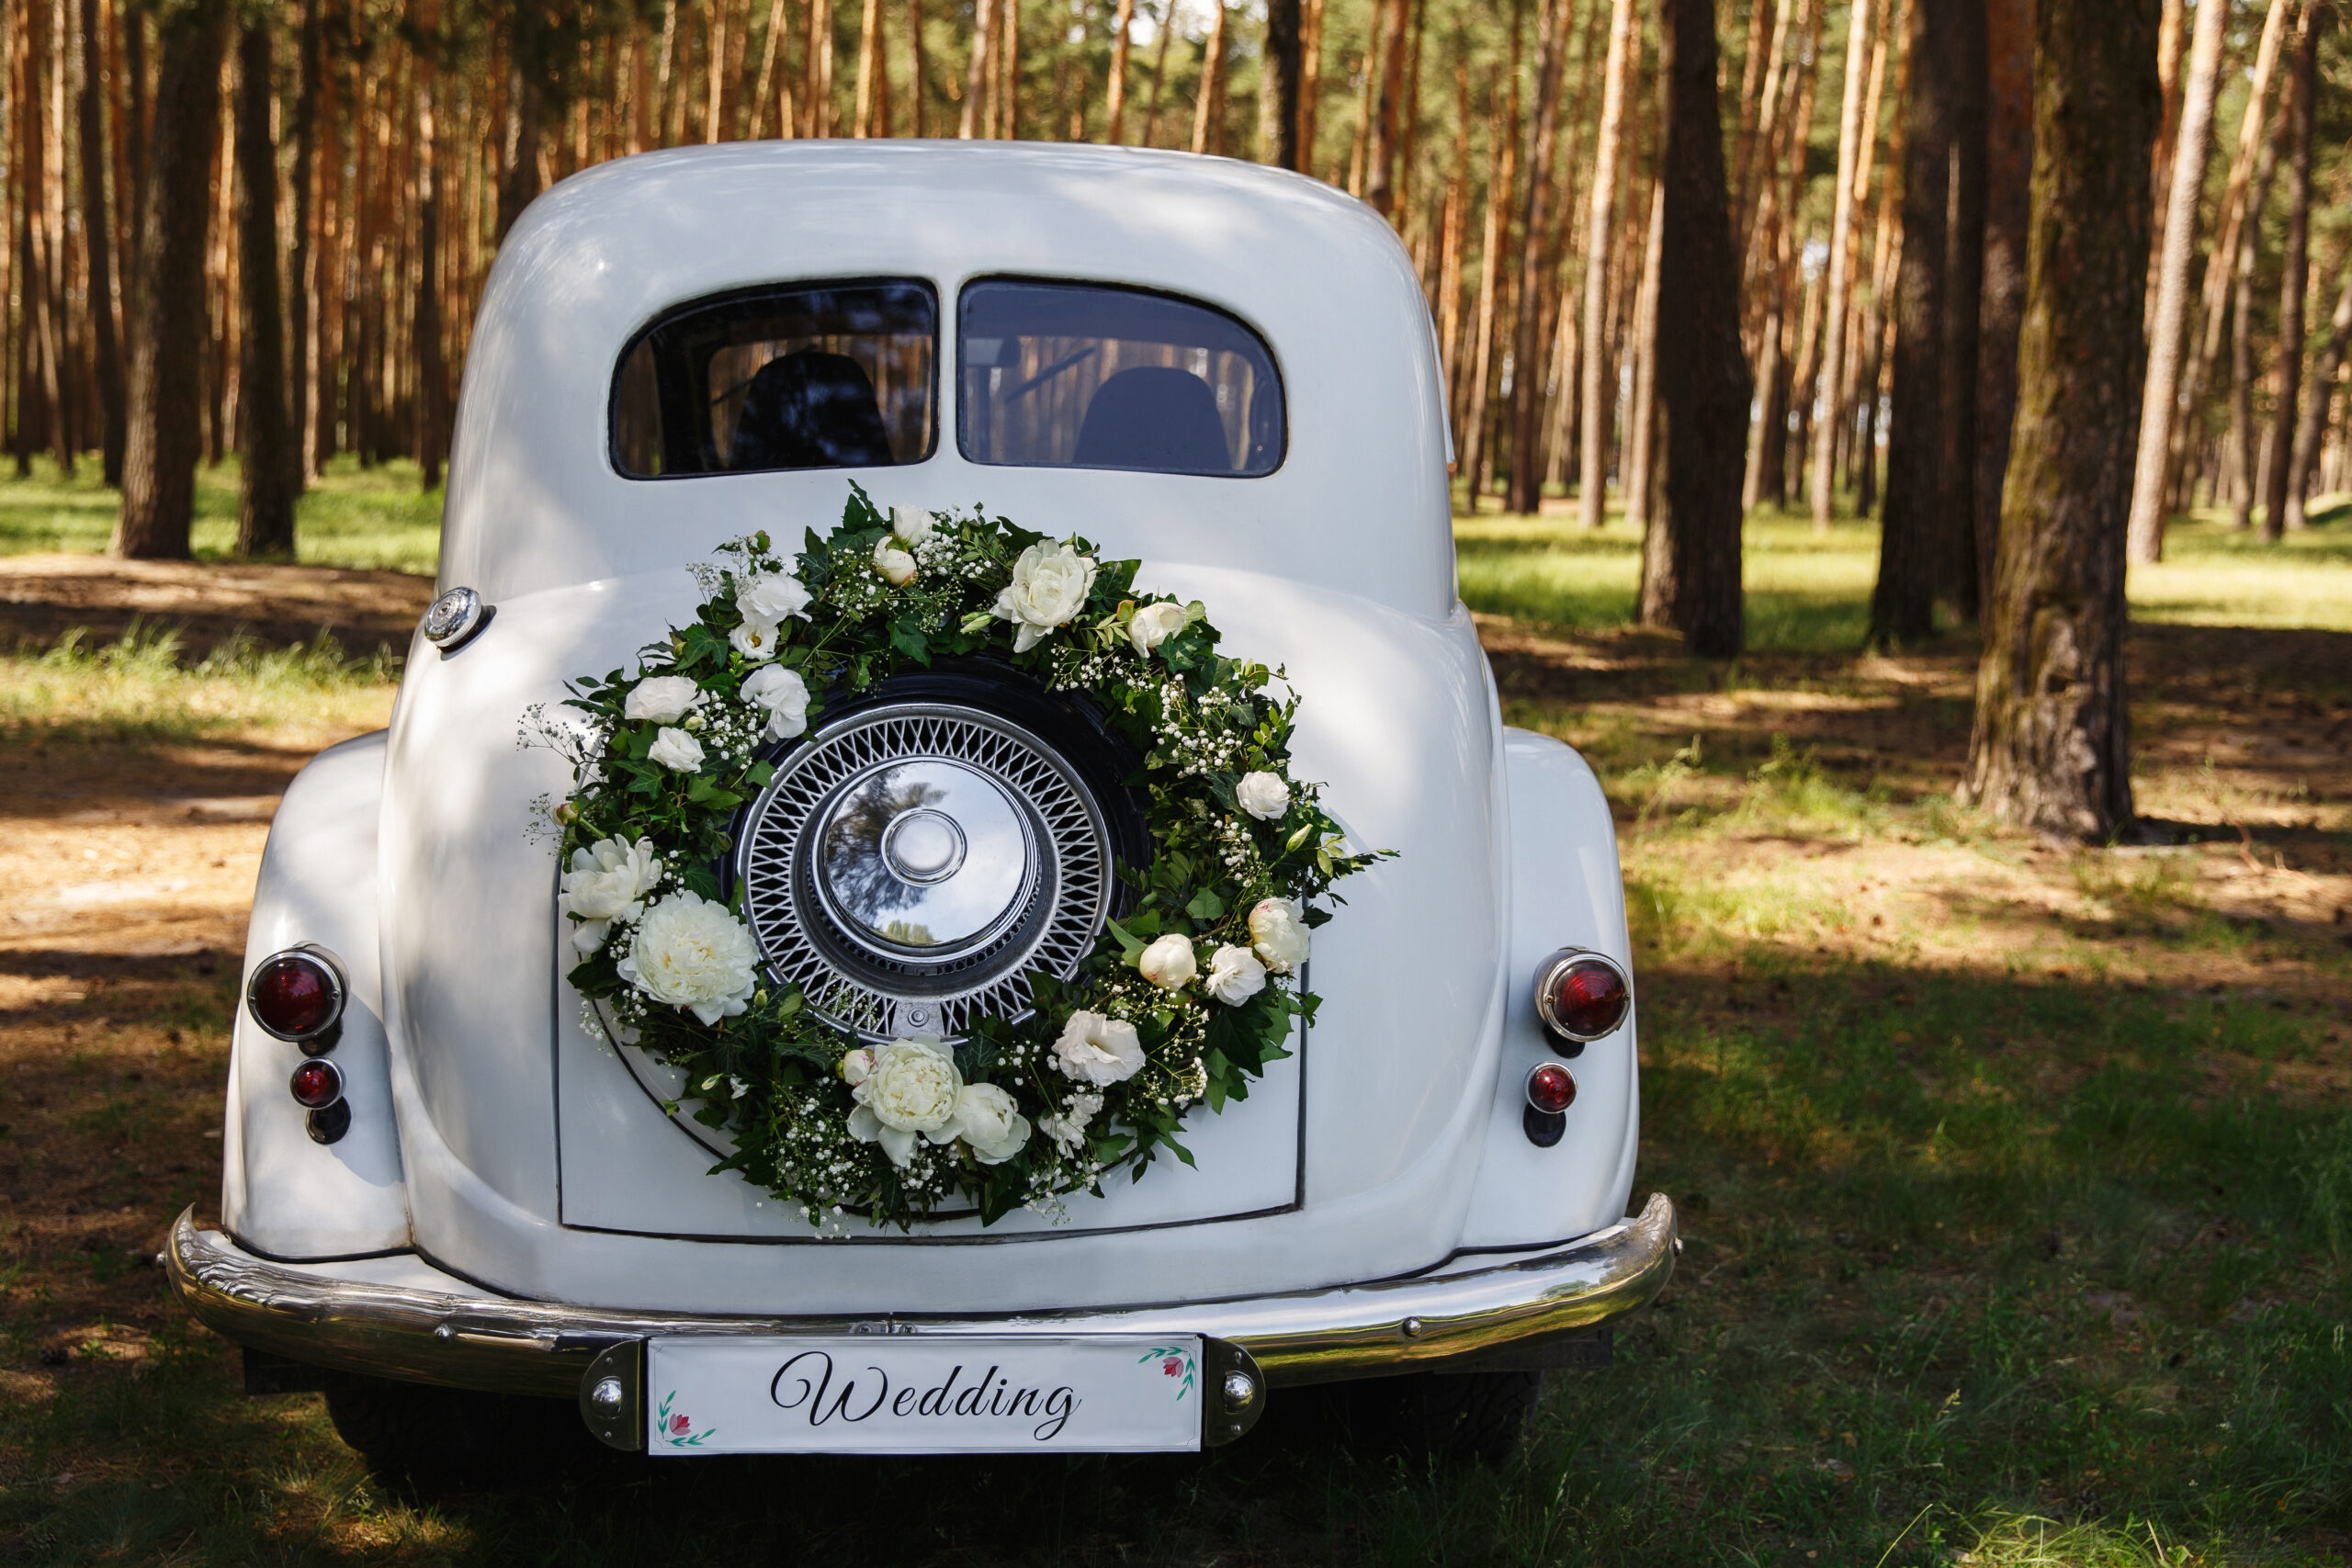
809,376
1076,376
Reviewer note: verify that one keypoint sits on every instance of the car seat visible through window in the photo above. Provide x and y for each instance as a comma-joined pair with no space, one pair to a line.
1154,417
810,410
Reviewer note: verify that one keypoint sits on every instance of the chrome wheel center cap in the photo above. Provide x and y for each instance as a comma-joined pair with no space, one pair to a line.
926,857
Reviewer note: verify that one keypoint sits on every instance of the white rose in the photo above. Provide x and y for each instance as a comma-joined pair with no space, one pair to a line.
1098,1049
1264,796
664,699
676,748
1278,928
786,696
755,640
772,597
992,1123
692,952
609,881
894,564
1155,624
912,523
910,1087
1169,962
1050,582
1236,976
1069,1129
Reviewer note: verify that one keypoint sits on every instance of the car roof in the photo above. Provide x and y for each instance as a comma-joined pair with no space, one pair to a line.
1360,502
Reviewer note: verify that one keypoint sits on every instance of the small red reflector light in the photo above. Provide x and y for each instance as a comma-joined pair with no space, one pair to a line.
316,1084
295,995
1581,996
1551,1089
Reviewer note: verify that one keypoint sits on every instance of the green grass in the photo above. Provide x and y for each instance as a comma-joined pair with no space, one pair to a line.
351,518
1809,593
141,688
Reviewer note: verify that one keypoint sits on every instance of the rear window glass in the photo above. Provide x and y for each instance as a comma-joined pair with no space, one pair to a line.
809,376
1071,376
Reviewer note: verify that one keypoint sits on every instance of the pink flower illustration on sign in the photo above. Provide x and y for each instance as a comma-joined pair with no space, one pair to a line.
1175,1361
673,1429
679,1426
1171,1368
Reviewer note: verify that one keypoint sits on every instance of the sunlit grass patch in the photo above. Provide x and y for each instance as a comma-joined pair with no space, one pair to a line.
140,687
350,517
2214,575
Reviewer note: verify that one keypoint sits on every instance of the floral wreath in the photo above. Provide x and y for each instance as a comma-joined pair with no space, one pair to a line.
1182,1000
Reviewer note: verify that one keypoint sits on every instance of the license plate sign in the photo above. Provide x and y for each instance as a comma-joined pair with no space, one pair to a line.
923,1394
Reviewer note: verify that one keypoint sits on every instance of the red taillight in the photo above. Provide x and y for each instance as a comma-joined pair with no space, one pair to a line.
1581,996
1551,1089
296,994
316,1084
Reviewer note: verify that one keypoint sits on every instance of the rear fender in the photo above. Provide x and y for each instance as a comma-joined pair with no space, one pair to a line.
283,1195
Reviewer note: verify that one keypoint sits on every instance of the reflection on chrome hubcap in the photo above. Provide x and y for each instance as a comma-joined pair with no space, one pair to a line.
911,865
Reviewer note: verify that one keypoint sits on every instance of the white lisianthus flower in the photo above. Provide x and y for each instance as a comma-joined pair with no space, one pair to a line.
1169,962
664,699
692,952
755,640
676,748
992,1123
910,1087
1068,1130
1264,796
1098,1049
783,693
894,564
609,881
1236,976
773,597
1155,624
913,525
1278,927
1050,582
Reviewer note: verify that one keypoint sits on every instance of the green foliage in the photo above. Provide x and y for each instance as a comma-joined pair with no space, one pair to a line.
142,687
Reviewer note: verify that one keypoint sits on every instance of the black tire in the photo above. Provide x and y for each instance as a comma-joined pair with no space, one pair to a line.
405,1422
1466,1417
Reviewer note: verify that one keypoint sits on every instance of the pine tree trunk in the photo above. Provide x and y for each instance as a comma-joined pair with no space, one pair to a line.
2315,409
97,232
430,432
2008,210
164,436
1902,603
2052,746
1851,155
1968,574
1525,494
1691,558
2243,481
2169,323
303,259
1114,103
2294,276
1593,470
872,92
1641,445
1208,108
1278,94
1380,157
266,498
977,75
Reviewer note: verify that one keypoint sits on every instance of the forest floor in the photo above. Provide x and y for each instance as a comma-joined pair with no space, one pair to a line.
2016,1177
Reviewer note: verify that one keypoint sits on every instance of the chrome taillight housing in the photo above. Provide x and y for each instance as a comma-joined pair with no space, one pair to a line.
1581,996
298,996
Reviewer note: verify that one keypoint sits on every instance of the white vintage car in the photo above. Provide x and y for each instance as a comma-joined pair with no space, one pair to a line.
443,1181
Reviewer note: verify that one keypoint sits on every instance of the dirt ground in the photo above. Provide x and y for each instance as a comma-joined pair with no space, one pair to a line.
129,870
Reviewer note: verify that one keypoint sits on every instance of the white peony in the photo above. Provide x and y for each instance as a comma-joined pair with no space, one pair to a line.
992,1123
1278,928
1236,976
908,1087
1155,624
1068,1130
755,640
1098,1049
913,525
692,952
1050,582
609,881
676,748
1169,962
664,699
786,696
893,563
772,597
1264,796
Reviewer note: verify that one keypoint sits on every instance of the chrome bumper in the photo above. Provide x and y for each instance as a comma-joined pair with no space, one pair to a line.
483,1341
